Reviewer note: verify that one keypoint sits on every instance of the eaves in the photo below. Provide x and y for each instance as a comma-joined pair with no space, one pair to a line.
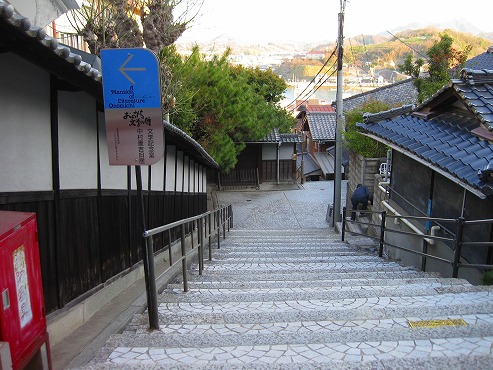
437,169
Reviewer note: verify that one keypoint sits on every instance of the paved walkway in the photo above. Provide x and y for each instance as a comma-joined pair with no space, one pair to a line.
289,209
284,292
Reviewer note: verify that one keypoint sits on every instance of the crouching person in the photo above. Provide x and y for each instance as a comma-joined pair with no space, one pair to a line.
361,196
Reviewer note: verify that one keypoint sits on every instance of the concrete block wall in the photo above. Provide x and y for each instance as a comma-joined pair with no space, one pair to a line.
362,171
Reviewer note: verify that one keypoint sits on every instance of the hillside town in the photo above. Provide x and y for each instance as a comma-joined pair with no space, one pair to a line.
231,205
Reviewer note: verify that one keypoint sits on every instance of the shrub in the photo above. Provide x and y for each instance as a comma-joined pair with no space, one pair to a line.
356,141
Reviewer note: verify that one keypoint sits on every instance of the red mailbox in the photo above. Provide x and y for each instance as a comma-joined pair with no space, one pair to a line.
22,312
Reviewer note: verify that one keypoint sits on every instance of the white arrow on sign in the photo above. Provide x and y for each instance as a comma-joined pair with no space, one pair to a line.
123,70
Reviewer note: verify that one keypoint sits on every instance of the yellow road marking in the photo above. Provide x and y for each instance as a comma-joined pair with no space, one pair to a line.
436,323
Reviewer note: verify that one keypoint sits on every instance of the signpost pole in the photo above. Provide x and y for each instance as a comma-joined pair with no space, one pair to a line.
134,131
148,259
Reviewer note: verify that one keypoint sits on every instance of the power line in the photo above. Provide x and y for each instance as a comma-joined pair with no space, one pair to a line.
305,97
354,60
409,46
315,77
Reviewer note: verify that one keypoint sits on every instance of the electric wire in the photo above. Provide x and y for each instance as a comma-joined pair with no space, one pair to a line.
409,46
314,78
354,60
305,97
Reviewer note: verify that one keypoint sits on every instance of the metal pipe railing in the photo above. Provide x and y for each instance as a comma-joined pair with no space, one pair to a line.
196,225
457,240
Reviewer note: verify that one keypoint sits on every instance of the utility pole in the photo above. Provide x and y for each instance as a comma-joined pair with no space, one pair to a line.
339,121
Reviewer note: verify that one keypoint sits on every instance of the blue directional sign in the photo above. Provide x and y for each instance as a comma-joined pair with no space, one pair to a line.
130,78
132,102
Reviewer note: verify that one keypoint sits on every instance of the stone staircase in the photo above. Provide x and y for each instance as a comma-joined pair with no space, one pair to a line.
302,299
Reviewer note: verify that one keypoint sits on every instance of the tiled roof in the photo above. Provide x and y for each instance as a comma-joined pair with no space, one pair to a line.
276,137
23,25
403,92
290,138
319,108
394,112
322,126
445,135
444,145
481,61
475,90
272,137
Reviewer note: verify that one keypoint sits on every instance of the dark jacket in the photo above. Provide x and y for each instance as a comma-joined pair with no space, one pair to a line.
361,194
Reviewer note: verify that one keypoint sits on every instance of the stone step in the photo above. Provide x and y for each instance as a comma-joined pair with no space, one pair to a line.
328,309
226,287
289,276
301,328
288,243
284,255
273,302
292,333
435,351
318,292
289,261
299,294
327,232
257,270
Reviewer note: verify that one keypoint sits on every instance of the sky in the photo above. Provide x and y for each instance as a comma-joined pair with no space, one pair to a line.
263,21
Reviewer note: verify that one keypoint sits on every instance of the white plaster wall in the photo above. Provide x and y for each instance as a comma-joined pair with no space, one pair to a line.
25,139
196,178
269,152
157,175
286,151
77,138
186,170
170,167
112,177
193,176
144,170
204,177
179,171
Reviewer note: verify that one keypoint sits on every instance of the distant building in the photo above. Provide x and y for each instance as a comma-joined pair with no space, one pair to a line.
399,93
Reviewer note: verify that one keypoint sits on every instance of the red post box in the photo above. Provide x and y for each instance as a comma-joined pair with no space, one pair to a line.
22,312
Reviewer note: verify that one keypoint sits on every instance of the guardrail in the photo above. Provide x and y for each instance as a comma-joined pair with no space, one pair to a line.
456,240
205,226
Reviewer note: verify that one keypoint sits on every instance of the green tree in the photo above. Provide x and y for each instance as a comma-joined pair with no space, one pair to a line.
222,106
410,67
444,63
358,142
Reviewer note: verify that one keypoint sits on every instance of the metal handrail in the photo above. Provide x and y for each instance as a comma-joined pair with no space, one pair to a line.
206,224
457,239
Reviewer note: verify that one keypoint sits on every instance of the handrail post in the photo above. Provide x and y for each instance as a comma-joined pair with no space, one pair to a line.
153,310
382,234
200,246
218,223
231,214
210,236
190,229
170,252
343,231
226,212
458,246
224,222
184,259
